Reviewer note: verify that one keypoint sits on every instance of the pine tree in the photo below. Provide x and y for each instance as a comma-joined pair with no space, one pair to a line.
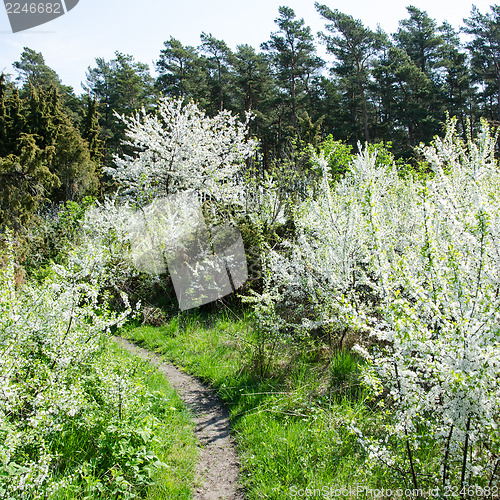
293,56
354,47
420,38
251,78
182,72
131,83
456,84
98,85
220,57
484,49
406,96
121,85
32,70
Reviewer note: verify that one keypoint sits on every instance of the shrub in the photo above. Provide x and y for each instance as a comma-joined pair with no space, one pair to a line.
411,265
68,408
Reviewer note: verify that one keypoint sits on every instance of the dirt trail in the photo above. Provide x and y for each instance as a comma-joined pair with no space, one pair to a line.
218,466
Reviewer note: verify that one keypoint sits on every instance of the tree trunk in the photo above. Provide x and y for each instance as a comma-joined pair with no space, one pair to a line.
363,102
498,86
365,112
221,93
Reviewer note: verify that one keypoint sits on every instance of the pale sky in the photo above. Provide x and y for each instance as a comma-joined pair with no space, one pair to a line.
97,28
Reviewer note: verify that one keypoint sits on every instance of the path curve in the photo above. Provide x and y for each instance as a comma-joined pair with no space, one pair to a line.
217,470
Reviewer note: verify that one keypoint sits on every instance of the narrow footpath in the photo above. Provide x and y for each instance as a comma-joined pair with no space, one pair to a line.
218,466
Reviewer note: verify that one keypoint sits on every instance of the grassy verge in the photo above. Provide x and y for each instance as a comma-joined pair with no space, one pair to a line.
174,442
292,424
143,448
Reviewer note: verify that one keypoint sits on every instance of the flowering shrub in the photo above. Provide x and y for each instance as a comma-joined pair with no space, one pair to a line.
413,266
69,409
179,148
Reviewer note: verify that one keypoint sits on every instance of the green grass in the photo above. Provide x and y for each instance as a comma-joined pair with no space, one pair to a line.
174,444
157,408
291,426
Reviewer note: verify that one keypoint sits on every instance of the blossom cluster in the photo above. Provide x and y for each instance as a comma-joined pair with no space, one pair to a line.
62,390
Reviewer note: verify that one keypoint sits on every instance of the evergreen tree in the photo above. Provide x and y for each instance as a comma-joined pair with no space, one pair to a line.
13,120
73,165
52,128
420,38
121,86
251,78
310,132
354,47
91,132
26,182
38,138
3,115
406,93
44,115
326,100
425,44
131,83
90,128
33,71
253,90
456,77
219,56
484,49
99,86
293,56
182,72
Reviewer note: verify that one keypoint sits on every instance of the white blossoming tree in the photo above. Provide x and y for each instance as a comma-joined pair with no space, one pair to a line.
413,265
179,148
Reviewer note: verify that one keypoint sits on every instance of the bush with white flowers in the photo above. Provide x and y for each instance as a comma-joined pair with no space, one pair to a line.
179,148
414,266
68,406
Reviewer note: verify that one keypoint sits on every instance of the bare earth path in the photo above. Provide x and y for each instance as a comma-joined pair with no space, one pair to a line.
218,466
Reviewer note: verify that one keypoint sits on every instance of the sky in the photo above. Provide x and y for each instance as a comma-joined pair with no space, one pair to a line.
98,28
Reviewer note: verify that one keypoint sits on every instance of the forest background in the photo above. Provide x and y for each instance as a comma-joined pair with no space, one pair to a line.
394,89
